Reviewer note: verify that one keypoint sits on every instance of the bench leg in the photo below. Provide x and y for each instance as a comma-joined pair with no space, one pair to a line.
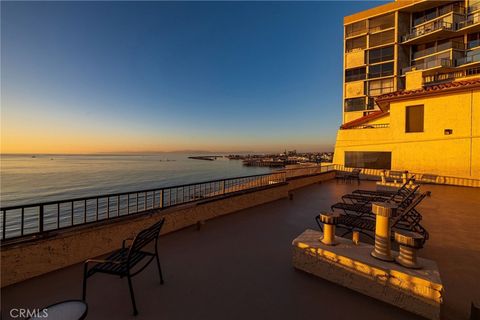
132,296
84,290
159,268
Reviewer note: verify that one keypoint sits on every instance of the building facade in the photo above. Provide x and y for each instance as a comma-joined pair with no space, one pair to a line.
411,96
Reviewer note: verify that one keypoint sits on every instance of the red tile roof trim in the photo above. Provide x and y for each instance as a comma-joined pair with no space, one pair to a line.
443,88
374,115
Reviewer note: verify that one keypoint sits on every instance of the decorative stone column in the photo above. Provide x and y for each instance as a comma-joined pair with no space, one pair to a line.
383,211
409,242
329,220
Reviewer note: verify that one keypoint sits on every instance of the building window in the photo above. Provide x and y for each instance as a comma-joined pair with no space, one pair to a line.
414,119
473,40
355,104
368,159
378,87
381,23
355,74
381,38
356,28
380,55
380,70
355,44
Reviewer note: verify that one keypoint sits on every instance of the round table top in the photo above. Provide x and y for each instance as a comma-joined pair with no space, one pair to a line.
65,310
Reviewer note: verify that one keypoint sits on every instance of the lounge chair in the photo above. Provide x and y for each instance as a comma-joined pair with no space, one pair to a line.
407,218
374,196
122,261
403,188
365,208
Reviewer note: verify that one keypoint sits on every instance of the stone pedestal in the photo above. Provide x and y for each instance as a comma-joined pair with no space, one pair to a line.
409,243
329,220
352,266
383,211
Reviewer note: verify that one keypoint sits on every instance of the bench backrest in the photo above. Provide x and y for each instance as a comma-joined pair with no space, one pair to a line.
146,236
429,177
396,174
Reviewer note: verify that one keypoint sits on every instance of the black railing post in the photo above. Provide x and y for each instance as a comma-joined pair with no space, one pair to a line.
40,227
23,221
161,199
4,224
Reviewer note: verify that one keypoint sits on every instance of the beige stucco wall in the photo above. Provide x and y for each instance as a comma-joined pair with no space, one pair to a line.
29,259
354,59
354,89
431,151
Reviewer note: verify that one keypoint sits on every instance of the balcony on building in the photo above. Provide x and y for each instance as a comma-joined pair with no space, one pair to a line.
432,64
444,77
470,24
435,23
436,47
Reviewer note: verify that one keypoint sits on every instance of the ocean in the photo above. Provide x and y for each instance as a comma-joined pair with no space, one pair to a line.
29,179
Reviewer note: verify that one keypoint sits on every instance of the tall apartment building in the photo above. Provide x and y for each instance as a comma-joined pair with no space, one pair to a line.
384,43
411,91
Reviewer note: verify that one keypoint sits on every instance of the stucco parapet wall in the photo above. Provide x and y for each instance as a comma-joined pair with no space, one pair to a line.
352,266
59,249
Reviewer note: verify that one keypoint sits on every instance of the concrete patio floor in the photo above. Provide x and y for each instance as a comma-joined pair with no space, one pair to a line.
239,267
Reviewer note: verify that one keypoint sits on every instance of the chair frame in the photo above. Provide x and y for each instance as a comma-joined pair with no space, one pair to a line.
122,261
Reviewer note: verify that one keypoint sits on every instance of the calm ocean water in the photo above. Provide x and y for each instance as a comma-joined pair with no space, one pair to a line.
44,178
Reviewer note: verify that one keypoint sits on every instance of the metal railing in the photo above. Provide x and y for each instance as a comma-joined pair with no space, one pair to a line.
439,48
36,219
470,20
468,59
308,170
430,63
421,177
428,28
449,76
368,126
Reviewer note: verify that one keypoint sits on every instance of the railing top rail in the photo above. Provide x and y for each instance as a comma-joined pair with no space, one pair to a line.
46,203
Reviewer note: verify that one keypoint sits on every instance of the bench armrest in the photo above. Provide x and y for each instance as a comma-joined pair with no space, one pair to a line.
101,261
125,241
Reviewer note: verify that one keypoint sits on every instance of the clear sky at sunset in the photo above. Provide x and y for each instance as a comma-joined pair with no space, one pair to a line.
80,77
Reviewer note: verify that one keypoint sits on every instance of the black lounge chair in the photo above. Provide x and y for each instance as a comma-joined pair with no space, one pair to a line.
354,197
122,261
402,189
365,208
407,218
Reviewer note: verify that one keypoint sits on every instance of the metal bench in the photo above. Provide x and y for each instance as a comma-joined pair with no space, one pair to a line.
122,261
395,176
350,176
428,178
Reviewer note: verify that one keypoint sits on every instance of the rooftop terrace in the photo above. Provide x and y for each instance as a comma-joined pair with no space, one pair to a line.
239,267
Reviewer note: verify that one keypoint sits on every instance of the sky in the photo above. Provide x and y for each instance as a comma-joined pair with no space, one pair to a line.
87,77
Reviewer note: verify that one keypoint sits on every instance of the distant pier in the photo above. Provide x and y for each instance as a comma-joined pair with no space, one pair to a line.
208,158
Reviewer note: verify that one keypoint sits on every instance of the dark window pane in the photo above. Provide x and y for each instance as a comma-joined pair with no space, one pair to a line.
355,104
368,159
414,119
355,74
